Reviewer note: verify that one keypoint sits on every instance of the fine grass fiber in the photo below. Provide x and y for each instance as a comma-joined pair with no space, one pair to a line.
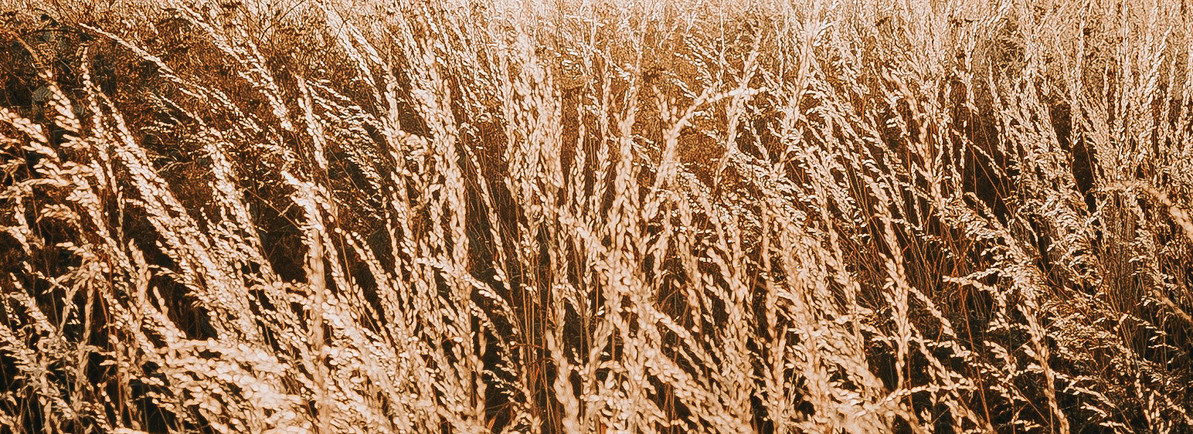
596,216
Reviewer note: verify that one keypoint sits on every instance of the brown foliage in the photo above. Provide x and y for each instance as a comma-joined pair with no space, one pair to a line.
689,216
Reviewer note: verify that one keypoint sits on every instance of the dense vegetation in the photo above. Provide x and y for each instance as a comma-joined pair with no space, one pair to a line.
596,216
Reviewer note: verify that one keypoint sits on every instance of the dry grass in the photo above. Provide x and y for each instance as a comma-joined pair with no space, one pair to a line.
600,216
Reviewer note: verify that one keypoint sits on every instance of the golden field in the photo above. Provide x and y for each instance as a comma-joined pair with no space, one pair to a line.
596,216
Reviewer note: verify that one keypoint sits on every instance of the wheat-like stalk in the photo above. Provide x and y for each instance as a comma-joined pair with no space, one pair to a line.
526,216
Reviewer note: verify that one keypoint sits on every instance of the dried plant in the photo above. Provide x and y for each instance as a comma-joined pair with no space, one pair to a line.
597,216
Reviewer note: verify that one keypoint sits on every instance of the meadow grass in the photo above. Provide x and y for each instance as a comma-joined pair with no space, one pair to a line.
596,216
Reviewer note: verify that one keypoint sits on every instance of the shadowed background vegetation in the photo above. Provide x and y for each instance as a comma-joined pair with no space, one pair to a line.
596,216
